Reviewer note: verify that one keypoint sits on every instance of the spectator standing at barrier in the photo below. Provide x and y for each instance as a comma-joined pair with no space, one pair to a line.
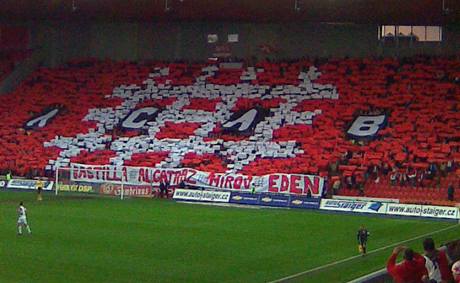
386,169
402,177
450,192
163,188
411,175
438,180
375,171
450,166
333,168
349,181
436,263
29,174
393,177
368,173
456,271
9,176
411,269
453,250
168,185
443,169
362,236
154,190
420,178
432,169
360,187
335,185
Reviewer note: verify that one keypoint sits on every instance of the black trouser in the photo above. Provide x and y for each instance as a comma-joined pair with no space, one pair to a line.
363,245
163,192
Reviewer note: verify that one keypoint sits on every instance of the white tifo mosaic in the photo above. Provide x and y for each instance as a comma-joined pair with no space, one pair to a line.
237,154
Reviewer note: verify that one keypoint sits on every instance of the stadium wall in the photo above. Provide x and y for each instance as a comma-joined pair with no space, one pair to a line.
188,40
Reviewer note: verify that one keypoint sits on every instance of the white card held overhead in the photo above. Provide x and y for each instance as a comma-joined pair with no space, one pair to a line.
233,37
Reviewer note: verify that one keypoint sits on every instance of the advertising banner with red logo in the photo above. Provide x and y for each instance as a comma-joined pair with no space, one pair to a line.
296,184
128,190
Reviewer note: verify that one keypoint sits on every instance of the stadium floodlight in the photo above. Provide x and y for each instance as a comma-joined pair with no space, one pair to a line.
445,9
74,5
297,5
167,7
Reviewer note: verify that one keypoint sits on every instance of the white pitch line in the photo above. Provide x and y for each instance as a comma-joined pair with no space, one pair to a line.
358,256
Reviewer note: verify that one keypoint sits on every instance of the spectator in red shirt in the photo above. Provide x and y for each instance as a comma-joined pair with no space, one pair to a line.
456,271
410,270
436,262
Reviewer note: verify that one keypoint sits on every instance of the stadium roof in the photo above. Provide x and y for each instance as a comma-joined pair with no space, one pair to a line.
357,11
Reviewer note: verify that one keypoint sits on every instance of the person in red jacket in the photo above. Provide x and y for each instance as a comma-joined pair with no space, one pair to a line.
436,262
456,271
410,270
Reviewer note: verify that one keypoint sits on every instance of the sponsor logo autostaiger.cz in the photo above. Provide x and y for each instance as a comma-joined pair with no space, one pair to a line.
438,211
190,194
411,210
417,210
345,204
214,195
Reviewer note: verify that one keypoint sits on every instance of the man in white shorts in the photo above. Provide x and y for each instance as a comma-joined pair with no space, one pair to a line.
22,219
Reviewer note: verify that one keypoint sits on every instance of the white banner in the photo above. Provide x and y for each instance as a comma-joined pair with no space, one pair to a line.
393,200
439,211
197,195
28,184
423,210
398,209
276,183
353,206
404,209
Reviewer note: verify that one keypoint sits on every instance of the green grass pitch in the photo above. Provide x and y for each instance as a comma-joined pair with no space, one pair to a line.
143,240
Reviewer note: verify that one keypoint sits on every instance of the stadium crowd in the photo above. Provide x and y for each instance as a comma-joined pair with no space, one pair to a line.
435,265
417,150
396,175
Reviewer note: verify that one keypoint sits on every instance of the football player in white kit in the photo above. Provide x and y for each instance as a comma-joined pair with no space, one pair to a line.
22,219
